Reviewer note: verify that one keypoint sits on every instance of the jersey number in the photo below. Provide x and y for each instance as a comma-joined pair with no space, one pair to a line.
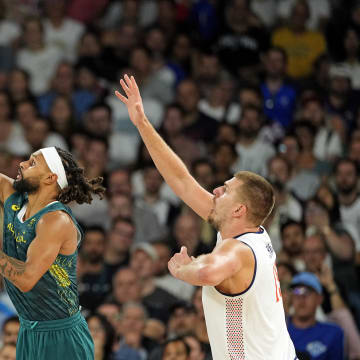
277,284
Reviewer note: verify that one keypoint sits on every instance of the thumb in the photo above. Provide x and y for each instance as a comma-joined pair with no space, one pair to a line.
183,250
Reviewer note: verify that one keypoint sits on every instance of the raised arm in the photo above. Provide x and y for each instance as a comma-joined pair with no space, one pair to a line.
52,232
168,163
6,187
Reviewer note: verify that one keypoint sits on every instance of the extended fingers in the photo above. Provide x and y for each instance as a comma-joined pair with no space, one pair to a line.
125,87
121,97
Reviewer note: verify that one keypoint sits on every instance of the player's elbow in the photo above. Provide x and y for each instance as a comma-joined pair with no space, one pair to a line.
27,285
208,276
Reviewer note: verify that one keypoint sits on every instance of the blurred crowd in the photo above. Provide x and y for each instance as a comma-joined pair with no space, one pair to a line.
270,86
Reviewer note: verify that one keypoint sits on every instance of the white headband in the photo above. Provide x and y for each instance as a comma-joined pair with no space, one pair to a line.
55,164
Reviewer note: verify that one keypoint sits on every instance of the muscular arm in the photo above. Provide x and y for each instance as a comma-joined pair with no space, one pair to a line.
52,231
6,187
227,259
168,163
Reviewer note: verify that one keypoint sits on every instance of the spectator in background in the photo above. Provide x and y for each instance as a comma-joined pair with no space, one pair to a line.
279,96
63,83
249,143
19,86
8,352
60,30
10,30
163,279
10,330
93,282
323,341
182,319
176,349
37,58
346,178
103,335
292,239
296,35
242,41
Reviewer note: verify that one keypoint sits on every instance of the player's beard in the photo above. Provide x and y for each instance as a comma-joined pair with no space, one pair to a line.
213,221
26,186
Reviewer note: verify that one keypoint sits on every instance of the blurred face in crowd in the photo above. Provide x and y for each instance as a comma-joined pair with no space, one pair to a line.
182,48
249,97
227,133
126,286
133,319
127,38
140,61
279,170
10,332
351,42
314,253
119,182
8,352
164,255
111,312
55,8
196,352
306,137
97,331
187,232
26,114
305,301
155,330
93,246
188,95
89,45
121,236
142,264
173,121
249,123
61,113
120,205
224,157
156,41
314,112
86,78
97,154
33,34
293,239
354,152
300,15
275,63
181,321
204,174
64,79
209,68
346,178
18,84
152,181
37,133
175,350
290,149
98,121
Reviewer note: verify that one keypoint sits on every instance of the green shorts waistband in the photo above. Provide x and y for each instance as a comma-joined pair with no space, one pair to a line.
59,324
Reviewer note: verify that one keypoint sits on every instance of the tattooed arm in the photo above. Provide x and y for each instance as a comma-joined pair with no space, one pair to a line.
55,233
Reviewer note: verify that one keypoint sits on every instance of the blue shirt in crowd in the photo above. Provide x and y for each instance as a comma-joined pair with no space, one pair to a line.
323,341
279,107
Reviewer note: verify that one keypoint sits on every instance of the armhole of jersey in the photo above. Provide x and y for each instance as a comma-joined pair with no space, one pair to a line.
252,281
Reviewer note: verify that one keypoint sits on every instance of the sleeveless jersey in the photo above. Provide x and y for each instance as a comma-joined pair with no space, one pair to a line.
250,325
55,296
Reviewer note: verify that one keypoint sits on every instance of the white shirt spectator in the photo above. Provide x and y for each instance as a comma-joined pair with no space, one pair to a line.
41,66
9,31
327,144
265,10
350,217
65,37
254,157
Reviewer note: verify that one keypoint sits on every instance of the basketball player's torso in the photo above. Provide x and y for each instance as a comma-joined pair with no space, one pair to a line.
55,295
249,324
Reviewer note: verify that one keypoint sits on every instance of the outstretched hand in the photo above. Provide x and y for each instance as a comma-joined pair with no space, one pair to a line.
178,261
132,100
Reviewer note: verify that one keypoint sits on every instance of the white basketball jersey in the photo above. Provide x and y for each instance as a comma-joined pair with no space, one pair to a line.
250,325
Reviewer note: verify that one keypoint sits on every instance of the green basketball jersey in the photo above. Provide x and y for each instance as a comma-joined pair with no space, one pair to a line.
55,296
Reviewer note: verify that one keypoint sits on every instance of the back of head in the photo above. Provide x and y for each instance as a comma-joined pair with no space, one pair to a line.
258,195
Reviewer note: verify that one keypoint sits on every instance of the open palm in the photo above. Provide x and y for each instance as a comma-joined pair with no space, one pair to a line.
133,100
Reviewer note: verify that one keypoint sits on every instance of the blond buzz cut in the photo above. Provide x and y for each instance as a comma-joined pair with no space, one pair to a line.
258,196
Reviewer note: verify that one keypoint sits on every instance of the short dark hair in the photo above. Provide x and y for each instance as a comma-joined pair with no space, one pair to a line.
291,222
346,160
175,340
279,50
11,319
95,228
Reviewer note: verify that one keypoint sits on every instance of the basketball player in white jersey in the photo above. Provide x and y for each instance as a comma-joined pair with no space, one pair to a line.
241,292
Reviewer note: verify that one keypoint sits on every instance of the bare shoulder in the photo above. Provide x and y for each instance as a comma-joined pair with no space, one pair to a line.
235,249
56,222
6,187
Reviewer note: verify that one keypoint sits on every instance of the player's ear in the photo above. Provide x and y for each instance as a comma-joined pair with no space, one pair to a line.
50,178
240,210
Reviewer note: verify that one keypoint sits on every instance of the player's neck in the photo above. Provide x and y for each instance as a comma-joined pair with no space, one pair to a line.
234,231
38,201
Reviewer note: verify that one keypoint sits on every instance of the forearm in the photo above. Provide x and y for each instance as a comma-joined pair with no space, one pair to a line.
337,247
13,270
168,163
336,300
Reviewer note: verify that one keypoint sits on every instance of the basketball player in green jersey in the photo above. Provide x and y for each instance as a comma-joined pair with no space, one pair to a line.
38,260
